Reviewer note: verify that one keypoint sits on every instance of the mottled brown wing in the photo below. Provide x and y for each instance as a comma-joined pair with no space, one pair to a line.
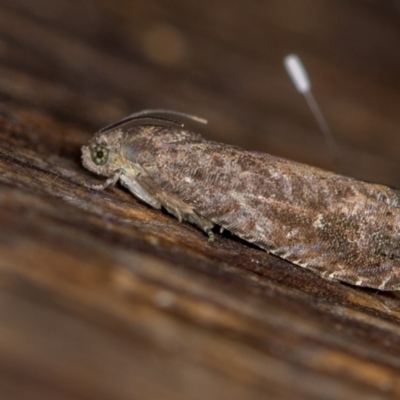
339,227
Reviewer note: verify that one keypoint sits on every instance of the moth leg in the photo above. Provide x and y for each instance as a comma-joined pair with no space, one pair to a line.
137,189
184,212
111,181
188,214
175,206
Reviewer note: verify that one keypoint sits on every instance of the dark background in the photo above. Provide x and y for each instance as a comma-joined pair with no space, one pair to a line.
102,297
91,62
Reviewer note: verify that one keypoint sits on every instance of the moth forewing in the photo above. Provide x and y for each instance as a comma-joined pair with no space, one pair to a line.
339,227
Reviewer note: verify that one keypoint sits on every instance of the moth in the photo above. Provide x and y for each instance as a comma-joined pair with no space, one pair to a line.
339,227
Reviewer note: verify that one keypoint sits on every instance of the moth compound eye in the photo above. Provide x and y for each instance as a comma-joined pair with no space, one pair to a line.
99,155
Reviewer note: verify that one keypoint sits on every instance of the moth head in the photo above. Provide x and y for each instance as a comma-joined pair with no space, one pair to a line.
102,155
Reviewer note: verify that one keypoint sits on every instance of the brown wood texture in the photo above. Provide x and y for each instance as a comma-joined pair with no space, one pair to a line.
102,297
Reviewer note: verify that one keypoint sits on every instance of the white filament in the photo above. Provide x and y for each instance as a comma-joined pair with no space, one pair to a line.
299,76
297,73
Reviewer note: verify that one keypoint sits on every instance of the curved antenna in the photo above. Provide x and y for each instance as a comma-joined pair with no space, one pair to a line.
138,121
147,117
168,112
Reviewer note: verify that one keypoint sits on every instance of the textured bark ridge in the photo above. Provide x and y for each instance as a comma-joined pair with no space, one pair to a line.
339,227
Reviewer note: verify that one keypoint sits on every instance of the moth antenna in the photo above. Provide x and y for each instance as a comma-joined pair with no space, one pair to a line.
149,117
138,121
169,112
301,81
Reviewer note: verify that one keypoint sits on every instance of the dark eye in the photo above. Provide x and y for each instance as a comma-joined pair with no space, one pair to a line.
99,155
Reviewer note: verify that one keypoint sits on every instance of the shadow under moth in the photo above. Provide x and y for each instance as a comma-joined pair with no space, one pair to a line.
339,227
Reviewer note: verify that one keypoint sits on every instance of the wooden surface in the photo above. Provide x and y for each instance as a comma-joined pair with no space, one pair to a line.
104,298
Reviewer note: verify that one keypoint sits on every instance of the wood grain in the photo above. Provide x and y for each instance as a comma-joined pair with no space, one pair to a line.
102,297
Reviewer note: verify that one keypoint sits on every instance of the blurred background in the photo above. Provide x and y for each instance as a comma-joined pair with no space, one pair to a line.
102,297
90,62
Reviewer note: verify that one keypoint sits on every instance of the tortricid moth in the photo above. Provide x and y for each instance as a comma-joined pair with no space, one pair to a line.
341,228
